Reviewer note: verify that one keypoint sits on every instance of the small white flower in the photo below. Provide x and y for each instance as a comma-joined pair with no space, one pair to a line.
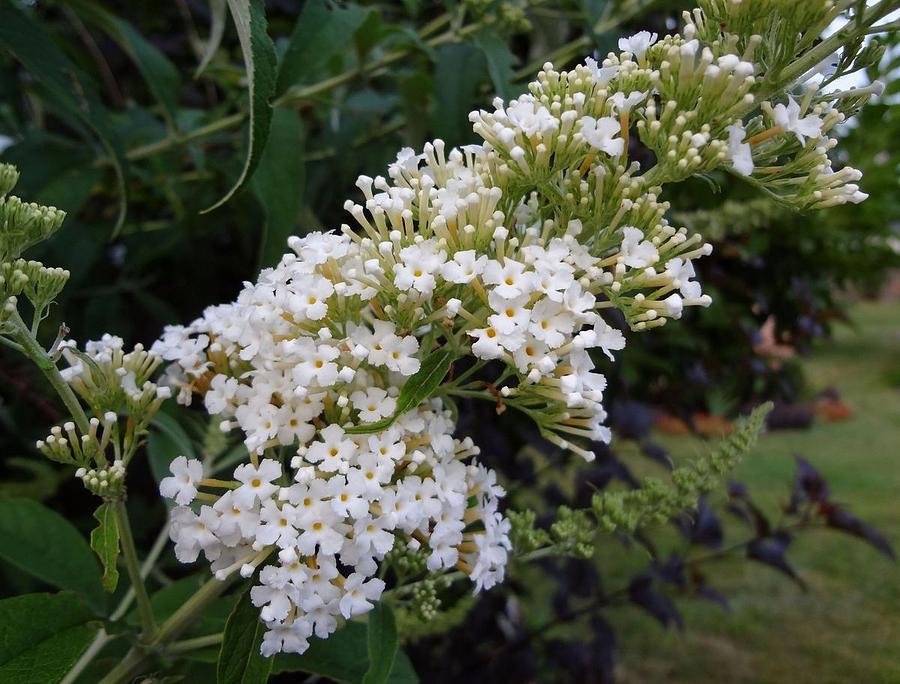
623,104
531,117
333,449
638,253
257,483
360,595
182,485
487,346
373,404
601,75
508,278
601,134
788,117
222,390
464,267
739,151
681,271
638,44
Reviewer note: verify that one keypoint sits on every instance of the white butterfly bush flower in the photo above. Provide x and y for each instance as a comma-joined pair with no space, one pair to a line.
334,366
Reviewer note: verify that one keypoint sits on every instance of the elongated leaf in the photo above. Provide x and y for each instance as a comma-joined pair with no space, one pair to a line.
159,73
70,92
259,61
426,380
419,387
278,184
240,661
381,643
500,61
322,31
105,542
41,636
455,90
167,441
218,11
43,543
343,657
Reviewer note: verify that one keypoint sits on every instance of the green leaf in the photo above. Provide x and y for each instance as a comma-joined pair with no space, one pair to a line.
167,441
343,657
500,61
381,643
322,31
69,91
278,184
105,542
419,387
240,661
43,543
159,73
218,11
259,61
426,380
40,481
41,637
457,75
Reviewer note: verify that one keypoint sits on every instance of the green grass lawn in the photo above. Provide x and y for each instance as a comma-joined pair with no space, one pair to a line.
846,627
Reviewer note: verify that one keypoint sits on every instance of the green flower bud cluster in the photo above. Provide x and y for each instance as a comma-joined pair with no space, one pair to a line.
39,283
412,625
406,561
9,176
106,482
505,17
424,600
100,474
65,445
7,309
657,501
109,379
574,532
779,28
23,224
524,535
513,18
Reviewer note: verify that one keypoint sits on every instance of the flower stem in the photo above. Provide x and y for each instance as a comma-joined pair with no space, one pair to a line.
38,355
189,610
129,554
127,668
196,643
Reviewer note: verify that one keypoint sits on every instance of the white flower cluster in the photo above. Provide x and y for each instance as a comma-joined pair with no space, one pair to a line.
338,516
506,252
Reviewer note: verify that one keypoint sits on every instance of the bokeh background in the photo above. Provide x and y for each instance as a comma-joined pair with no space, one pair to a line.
805,313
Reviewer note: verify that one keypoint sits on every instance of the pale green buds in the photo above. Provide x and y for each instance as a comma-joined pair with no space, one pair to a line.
65,445
9,176
23,224
37,282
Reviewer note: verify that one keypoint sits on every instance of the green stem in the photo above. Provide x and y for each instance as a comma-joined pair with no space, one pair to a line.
196,643
97,645
291,97
832,43
12,345
34,351
127,668
102,638
182,617
129,555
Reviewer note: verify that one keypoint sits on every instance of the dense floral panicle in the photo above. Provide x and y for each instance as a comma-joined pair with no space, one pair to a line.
509,252
333,514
